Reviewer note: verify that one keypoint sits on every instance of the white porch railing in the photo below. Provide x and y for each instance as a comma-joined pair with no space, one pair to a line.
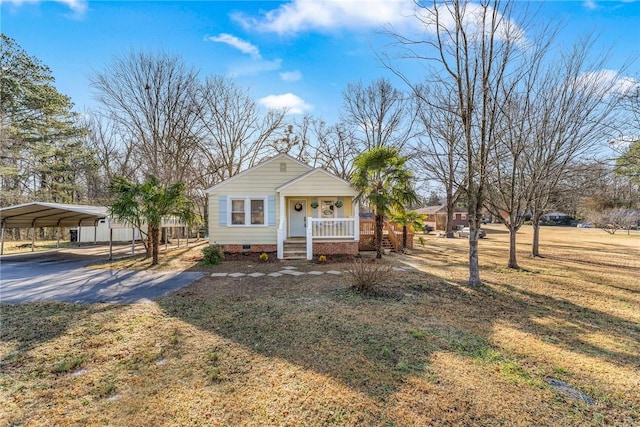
334,228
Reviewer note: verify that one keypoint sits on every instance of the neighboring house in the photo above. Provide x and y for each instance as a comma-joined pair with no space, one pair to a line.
558,217
436,216
285,206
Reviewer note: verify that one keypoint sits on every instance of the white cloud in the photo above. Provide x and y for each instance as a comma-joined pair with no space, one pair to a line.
291,76
79,7
329,15
608,82
326,15
233,41
590,4
293,103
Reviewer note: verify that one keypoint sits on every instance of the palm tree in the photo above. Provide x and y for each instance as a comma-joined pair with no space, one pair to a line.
148,203
408,219
384,182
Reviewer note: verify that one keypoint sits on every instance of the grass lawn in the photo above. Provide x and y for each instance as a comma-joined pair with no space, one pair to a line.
306,350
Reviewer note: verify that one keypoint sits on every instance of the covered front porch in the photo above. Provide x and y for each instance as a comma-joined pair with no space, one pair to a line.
318,216
314,226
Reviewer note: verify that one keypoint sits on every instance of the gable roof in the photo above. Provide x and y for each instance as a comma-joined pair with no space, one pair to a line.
311,173
51,215
260,165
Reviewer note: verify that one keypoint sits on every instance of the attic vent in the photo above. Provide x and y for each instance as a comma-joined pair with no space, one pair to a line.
283,167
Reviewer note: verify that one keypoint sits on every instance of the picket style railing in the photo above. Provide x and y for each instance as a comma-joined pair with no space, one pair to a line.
333,228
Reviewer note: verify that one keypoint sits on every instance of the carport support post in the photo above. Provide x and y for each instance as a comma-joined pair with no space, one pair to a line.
110,243
186,231
33,235
179,230
2,239
58,232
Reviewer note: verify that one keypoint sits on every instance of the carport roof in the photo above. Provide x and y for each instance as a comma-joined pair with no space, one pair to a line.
51,215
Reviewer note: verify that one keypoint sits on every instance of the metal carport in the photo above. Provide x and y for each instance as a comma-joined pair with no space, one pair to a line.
37,214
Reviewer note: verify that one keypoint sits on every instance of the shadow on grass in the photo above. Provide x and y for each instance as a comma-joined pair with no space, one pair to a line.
32,324
366,342
373,344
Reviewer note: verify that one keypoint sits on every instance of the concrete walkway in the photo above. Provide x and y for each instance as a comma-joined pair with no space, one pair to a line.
293,271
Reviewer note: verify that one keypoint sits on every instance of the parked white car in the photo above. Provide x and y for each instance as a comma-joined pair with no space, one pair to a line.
465,232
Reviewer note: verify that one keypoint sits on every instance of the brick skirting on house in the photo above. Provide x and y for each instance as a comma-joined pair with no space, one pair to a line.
238,249
319,248
335,248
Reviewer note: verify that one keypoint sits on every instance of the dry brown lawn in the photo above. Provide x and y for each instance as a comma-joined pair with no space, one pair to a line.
289,351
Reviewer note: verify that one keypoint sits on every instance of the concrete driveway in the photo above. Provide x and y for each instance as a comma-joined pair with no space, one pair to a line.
62,276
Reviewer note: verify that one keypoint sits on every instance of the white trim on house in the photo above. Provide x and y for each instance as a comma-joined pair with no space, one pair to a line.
256,167
247,210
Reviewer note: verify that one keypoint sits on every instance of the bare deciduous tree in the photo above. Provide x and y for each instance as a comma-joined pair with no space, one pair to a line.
473,51
381,115
235,133
572,118
151,99
335,148
437,151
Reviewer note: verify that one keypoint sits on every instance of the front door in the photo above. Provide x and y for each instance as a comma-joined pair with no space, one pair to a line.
297,218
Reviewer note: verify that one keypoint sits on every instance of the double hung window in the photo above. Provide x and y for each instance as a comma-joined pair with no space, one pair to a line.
248,210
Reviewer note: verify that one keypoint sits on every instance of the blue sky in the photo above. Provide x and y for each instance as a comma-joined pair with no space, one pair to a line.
300,54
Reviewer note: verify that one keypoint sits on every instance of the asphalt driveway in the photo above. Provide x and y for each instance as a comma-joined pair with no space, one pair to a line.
60,276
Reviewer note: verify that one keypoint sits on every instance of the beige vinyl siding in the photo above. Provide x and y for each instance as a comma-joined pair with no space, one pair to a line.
319,184
260,182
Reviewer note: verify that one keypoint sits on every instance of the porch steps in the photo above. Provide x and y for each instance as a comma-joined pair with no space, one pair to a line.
295,250
386,244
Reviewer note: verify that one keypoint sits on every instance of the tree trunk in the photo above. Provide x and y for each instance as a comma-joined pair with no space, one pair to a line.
474,223
378,235
155,245
149,243
535,246
451,205
513,257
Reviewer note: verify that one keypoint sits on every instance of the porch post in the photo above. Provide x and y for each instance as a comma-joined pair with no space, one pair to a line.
280,231
309,239
356,214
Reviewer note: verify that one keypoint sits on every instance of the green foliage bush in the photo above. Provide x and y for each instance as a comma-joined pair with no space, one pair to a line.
212,255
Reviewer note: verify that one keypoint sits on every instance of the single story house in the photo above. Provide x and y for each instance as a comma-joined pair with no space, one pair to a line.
436,216
558,217
286,207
